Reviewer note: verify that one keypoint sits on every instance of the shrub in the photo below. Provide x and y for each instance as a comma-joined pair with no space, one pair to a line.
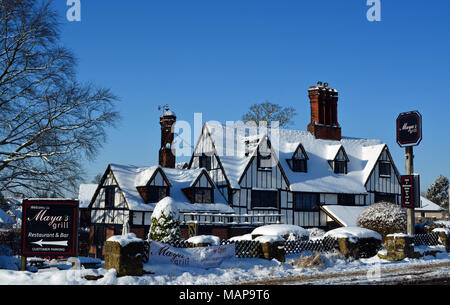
165,225
384,218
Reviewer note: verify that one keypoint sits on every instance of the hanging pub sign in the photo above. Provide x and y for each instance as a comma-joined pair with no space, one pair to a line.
49,227
409,129
410,191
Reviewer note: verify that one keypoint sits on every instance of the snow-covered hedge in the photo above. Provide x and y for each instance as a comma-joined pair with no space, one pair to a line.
384,218
288,232
428,228
165,225
205,239
352,232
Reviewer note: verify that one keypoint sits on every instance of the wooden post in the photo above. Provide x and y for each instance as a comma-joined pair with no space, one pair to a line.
409,171
23,263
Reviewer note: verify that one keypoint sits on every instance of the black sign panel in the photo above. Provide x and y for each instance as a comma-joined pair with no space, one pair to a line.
407,191
49,227
409,129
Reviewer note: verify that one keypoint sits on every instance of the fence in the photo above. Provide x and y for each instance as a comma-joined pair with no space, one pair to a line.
252,248
429,239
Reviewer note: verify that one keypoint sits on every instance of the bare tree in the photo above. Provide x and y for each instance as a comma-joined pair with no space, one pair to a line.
49,122
268,112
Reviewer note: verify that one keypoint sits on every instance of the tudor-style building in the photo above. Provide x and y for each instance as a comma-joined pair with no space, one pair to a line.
240,177
305,176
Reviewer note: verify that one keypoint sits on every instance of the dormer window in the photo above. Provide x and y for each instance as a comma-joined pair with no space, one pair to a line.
298,163
339,164
203,195
156,193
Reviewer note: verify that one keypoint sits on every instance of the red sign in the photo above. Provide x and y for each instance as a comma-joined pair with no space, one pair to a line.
49,227
409,129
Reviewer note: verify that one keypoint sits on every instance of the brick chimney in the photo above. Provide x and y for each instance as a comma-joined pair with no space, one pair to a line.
167,121
324,120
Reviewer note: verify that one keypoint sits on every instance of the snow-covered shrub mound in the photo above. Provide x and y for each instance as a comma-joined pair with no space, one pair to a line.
428,228
205,239
165,225
316,232
356,242
241,237
384,218
352,232
288,232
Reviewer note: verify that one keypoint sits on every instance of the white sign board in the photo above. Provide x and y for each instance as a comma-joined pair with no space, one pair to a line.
203,257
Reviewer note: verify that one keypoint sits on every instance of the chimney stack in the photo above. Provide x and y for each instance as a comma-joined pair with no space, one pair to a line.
167,121
324,120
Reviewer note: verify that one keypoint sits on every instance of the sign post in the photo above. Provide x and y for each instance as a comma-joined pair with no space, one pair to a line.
50,228
409,134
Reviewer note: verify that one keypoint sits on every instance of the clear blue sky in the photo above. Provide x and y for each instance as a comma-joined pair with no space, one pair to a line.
219,57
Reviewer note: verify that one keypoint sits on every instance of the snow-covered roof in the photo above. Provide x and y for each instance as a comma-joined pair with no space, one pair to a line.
85,194
346,216
362,155
129,177
428,206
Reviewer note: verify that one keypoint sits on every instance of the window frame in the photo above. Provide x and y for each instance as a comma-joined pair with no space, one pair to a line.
110,196
303,168
304,208
342,199
384,175
335,167
260,157
201,159
256,200
195,191
150,188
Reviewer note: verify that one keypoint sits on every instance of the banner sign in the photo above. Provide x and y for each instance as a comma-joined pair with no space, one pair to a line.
407,191
410,191
409,129
203,257
49,227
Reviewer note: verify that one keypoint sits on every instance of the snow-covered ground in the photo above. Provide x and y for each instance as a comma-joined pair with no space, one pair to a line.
329,268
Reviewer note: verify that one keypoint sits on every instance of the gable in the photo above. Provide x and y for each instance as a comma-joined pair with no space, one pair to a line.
272,178
98,200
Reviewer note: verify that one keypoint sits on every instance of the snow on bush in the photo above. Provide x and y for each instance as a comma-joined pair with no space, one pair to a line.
436,224
288,232
316,232
165,225
241,237
205,239
384,218
352,232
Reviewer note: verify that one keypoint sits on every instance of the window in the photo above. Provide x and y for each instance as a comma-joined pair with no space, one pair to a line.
340,167
346,199
264,159
156,193
385,197
109,196
205,162
299,165
203,195
265,199
306,201
384,169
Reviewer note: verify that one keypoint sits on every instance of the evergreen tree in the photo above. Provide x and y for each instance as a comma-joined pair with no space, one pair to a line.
438,191
165,225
